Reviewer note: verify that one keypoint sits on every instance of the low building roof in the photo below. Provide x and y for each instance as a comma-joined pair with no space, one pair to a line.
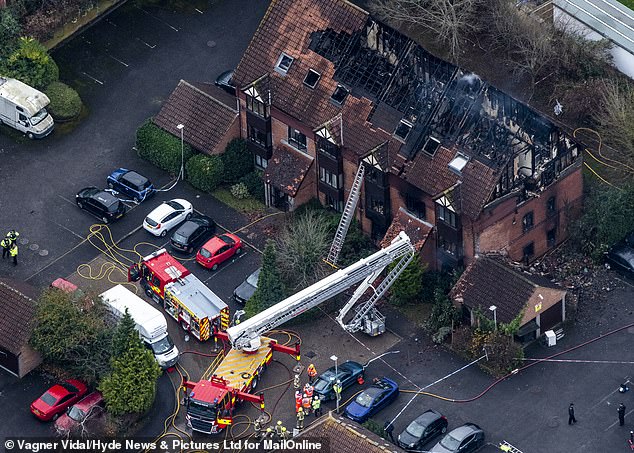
287,169
205,110
18,316
488,281
418,230
344,436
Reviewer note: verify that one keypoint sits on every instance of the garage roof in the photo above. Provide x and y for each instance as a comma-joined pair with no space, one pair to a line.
18,316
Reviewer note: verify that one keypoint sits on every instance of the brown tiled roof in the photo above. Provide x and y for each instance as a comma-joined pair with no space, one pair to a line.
286,170
418,230
344,436
487,281
432,175
17,320
206,111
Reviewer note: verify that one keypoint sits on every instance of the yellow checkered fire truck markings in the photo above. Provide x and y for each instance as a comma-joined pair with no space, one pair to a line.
204,329
237,363
224,319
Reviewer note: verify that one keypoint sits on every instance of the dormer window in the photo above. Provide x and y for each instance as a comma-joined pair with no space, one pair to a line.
431,146
340,94
458,163
403,130
284,63
312,78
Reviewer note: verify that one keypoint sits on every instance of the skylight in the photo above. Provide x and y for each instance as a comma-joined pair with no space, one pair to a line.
431,146
340,94
284,63
458,163
312,78
403,130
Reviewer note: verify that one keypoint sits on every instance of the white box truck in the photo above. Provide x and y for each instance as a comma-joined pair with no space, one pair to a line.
150,323
24,108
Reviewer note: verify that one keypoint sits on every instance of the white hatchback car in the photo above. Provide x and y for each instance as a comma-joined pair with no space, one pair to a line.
167,215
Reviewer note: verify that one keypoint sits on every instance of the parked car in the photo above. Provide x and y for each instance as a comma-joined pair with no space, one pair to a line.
347,373
620,257
57,399
131,183
379,395
464,439
218,250
246,289
90,406
225,81
103,205
167,215
193,233
421,430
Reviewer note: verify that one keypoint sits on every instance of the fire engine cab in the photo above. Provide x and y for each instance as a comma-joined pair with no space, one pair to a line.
183,296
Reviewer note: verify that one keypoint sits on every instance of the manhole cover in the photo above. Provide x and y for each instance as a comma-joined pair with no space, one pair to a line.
211,43
43,252
553,422
34,247
23,241
310,354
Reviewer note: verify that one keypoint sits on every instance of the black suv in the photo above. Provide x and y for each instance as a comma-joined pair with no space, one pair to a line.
193,233
100,203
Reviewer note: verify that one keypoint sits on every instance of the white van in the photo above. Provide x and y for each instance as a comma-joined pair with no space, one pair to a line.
24,108
150,323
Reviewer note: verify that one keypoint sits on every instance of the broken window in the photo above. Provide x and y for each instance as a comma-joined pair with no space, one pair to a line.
377,206
297,139
446,215
528,252
403,130
331,179
551,206
340,94
458,163
431,146
527,222
312,78
259,137
284,63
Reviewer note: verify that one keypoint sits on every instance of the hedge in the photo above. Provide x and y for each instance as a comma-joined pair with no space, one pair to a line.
205,172
30,63
255,185
237,159
161,148
65,102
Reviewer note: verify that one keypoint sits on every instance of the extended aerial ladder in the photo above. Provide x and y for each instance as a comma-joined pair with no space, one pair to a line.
246,335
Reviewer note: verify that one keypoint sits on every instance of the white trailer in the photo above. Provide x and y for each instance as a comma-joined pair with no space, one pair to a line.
150,323
24,108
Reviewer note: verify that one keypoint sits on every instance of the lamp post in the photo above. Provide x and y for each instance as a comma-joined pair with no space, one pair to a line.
336,383
181,175
493,308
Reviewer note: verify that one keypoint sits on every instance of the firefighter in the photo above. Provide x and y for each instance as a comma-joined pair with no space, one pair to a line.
317,406
257,427
13,251
312,373
285,433
300,418
298,400
296,382
278,429
308,390
6,245
269,432
13,236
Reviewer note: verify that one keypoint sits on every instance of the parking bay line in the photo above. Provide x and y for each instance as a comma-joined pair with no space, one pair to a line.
117,60
68,229
66,199
224,267
91,77
614,424
149,45
159,19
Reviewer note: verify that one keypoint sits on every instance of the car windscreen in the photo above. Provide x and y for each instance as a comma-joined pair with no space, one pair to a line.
365,399
201,409
321,385
205,253
175,205
151,222
415,429
253,279
181,239
226,239
49,399
38,117
162,346
113,207
76,414
71,388
450,442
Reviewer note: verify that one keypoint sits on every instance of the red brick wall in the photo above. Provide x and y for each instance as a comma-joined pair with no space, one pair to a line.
308,189
232,132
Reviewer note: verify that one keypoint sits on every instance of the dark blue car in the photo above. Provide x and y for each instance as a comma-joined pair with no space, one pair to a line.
380,394
131,184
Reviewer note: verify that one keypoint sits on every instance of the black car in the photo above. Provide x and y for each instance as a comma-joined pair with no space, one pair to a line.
348,373
100,203
423,429
225,82
246,289
193,233
621,256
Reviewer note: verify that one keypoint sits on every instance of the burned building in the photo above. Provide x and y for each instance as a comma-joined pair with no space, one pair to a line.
324,88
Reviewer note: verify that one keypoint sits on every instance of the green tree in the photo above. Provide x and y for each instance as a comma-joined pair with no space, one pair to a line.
72,333
443,312
30,63
205,172
237,160
131,387
9,31
270,287
407,288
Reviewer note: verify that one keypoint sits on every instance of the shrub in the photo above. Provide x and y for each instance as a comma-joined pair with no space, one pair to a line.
443,312
161,148
255,185
374,427
30,63
237,159
408,286
9,31
65,102
205,172
503,354
240,191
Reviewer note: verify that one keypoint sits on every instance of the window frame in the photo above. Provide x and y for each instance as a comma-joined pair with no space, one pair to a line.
327,177
312,72
293,135
260,162
283,69
528,222
440,215
257,107
253,134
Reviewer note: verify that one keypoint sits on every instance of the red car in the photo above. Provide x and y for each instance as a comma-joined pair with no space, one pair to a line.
219,249
89,407
57,399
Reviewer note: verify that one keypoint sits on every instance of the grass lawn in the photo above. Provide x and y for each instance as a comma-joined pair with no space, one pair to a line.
246,206
628,3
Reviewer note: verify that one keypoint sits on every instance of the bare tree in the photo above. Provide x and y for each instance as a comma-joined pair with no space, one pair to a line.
449,20
615,116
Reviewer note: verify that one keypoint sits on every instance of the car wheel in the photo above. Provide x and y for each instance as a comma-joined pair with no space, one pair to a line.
238,250
254,383
149,293
80,205
105,220
110,185
214,267
55,417
164,233
188,216
30,135
443,430
190,249
185,326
